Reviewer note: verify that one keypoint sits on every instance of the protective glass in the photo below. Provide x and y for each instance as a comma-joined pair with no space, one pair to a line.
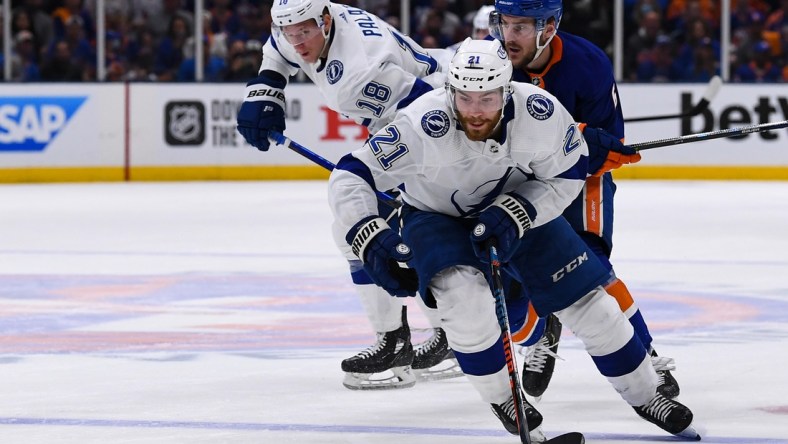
501,28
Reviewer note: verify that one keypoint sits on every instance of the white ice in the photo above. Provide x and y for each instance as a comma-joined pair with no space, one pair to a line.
219,312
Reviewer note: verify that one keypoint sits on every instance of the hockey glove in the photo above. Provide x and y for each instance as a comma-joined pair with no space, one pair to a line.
263,109
381,250
605,151
506,220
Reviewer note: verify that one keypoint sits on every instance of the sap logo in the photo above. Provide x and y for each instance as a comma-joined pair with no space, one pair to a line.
31,123
570,267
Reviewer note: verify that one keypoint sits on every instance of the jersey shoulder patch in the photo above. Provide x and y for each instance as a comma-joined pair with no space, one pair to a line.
435,123
539,107
334,71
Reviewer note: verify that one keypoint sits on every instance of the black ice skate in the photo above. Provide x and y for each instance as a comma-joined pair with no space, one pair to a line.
668,386
434,359
669,415
505,413
391,355
540,361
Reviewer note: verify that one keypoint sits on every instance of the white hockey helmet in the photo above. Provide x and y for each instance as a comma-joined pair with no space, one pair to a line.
480,65
290,12
482,18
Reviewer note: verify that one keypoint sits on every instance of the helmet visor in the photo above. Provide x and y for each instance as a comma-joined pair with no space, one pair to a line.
300,32
474,102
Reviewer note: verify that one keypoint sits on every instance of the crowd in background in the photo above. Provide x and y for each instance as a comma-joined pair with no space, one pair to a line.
152,40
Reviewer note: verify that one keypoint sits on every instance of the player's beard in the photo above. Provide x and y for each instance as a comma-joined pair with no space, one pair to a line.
479,129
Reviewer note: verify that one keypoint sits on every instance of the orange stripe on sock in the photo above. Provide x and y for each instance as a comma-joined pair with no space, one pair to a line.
593,205
621,293
528,326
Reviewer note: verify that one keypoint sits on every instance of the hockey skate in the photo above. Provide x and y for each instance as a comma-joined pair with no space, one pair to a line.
434,360
669,415
506,414
668,386
540,360
385,364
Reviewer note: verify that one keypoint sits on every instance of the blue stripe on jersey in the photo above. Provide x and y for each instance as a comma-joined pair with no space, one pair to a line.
366,122
483,363
273,43
421,57
420,87
357,167
578,171
623,361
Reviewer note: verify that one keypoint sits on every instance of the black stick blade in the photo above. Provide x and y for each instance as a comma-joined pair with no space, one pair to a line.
568,438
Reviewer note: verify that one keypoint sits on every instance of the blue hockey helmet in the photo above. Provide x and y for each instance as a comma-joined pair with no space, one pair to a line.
541,10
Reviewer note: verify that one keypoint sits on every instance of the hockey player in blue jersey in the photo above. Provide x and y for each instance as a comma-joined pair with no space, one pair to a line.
487,159
580,76
368,71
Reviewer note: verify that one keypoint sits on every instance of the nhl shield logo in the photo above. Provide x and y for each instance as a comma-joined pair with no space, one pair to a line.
334,71
539,107
184,123
435,123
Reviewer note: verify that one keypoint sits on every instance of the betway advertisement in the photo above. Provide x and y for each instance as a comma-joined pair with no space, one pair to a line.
736,105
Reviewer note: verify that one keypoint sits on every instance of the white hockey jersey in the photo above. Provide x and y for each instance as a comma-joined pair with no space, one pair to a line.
370,72
541,156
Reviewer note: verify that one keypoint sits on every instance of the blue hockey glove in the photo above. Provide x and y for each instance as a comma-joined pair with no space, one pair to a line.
381,250
605,151
506,220
263,109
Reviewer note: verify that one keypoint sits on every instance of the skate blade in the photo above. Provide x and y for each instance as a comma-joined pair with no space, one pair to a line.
690,433
394,378
446,369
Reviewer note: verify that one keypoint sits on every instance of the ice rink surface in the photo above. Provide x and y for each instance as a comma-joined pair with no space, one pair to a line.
219,313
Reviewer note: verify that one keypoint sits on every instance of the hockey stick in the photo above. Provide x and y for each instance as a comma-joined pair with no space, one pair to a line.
281,139
698,137
714,87
511,364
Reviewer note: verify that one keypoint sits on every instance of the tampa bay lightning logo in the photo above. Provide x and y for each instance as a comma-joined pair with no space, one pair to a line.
435,123
334,71
539,107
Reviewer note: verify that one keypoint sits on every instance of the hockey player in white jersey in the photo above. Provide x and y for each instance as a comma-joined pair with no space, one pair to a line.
487,159
368,71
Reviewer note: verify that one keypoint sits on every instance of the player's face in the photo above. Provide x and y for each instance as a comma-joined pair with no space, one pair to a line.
478,112
519,35
307,39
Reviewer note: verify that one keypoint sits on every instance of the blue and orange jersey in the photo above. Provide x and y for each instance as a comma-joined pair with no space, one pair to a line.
579,74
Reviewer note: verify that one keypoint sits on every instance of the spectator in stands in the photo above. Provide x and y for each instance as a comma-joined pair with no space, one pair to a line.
698,41
703,63
640,45
24,67
431,32
450,23
60,66
43,28
213,66
760,68
62,16
656,64
159,15
243,60
141,54
170,52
